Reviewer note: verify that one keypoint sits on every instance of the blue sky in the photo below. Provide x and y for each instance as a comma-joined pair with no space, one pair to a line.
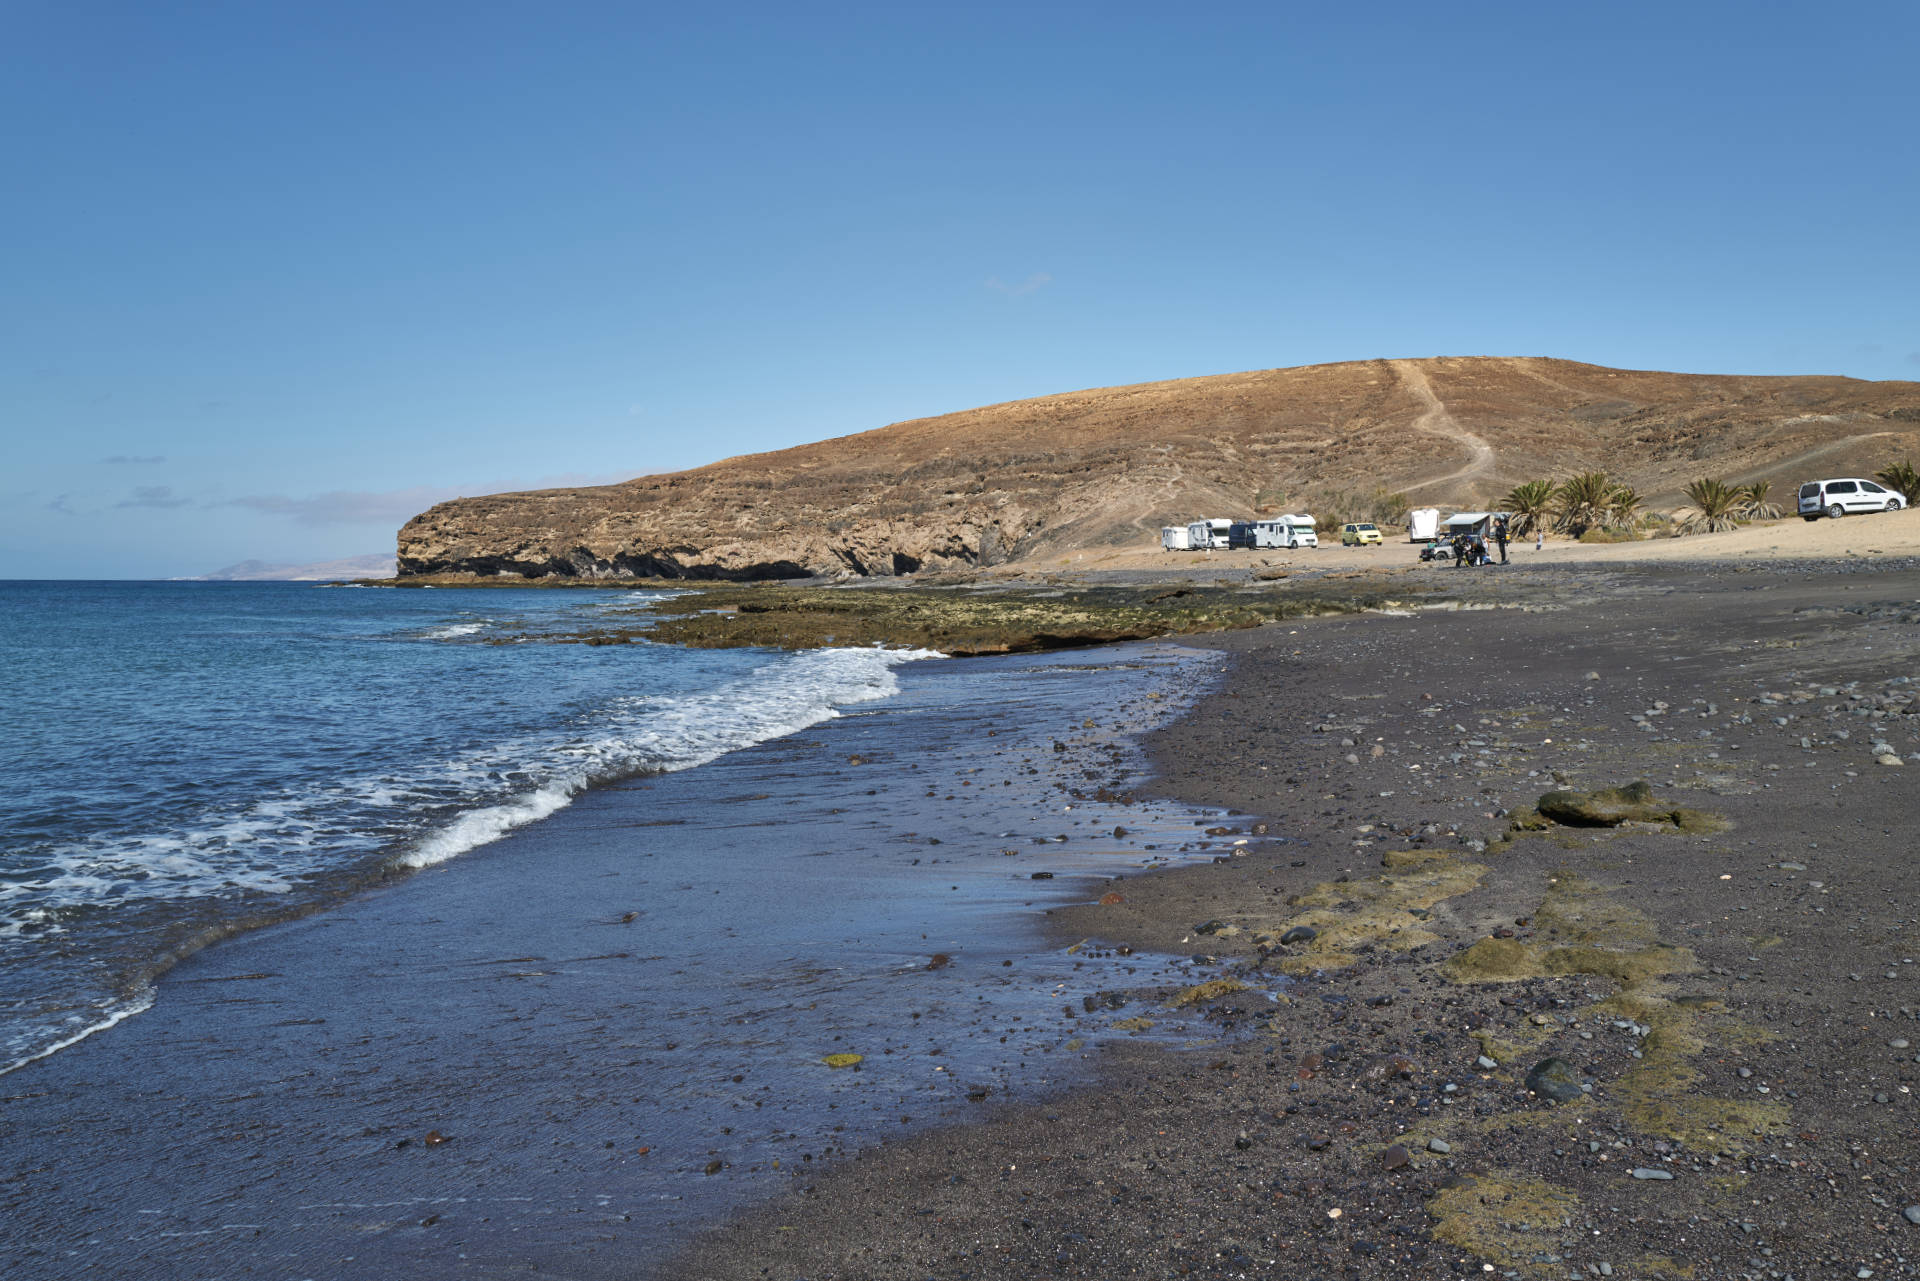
279,276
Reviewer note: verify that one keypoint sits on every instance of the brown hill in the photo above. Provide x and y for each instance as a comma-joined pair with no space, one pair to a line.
1105,467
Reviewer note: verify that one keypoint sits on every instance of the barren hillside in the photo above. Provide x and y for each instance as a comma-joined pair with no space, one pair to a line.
1106,467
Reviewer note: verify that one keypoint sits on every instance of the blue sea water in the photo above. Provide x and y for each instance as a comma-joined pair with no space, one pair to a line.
185,759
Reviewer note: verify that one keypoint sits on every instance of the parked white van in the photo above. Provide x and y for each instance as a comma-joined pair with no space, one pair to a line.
1423,525
1837,498
1176,538
1217,532
1285,531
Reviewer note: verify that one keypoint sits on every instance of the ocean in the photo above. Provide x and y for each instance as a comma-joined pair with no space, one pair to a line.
594,917
184,759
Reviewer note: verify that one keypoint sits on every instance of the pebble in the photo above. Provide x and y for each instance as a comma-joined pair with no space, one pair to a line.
1645,1173
1395,1157
1443,1147
1889,759
1485,1064
1911,1214
1897,1043
1300,934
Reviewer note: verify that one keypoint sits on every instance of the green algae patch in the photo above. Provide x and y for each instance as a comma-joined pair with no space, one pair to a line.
843,1060
1493,960
1506,1218
1377,910
1583,930
957,620
1212,990
1134,1024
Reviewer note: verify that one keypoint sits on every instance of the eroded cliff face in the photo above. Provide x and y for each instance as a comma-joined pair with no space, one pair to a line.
1034,478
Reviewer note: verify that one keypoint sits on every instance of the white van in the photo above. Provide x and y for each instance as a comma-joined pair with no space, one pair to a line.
1205,534
1285,531
1837,498
1176,538
1423,525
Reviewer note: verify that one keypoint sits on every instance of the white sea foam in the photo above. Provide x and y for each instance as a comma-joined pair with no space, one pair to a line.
681,732
108,1016
441,809
454,631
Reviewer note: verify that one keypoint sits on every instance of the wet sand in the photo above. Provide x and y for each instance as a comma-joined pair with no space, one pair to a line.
566,1050
1732,997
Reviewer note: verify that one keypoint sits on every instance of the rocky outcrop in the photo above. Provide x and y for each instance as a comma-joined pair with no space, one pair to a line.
1094,468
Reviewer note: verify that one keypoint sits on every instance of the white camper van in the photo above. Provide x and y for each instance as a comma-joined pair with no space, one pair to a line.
1423,525
1205,534
1176,538
1285,531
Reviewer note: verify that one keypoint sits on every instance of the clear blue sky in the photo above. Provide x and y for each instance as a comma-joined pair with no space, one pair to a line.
279,275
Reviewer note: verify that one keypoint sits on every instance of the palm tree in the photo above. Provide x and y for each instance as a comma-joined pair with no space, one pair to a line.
1622,506
1716,507
1754,504
1584,501
1529,505
1903,477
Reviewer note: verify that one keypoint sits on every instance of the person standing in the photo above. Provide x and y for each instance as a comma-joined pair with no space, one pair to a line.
1539,535
1500,537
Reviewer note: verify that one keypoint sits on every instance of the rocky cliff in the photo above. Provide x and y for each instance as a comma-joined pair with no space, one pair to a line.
1111,466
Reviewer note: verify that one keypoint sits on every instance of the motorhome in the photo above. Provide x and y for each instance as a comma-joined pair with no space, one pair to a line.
1176,538
1240,534
1285,531
1423,524
1207,534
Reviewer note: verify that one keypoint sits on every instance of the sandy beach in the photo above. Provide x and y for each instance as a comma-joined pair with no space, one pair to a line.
1724,991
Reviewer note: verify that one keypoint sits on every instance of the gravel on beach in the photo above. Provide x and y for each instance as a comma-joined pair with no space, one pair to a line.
1672,1039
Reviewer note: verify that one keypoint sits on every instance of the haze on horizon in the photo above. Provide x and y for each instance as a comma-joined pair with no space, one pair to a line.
283,276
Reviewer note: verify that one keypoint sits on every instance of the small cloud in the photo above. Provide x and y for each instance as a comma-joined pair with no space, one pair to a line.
153,496
142,459
348,506
60,504
393,507
1032,284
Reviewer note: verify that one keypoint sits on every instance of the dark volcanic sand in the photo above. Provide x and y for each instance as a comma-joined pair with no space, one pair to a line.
1740,1003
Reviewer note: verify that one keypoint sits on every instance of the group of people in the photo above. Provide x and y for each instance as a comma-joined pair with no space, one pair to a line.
1471,549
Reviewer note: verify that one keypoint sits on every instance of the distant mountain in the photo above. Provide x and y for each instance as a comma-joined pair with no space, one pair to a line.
1036,478
376,565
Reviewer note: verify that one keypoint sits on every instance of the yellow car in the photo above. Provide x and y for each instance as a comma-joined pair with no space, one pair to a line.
1360,535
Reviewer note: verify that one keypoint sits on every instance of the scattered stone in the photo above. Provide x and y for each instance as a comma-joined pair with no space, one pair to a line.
1300,934
842,1061
1395,1157
1443,1147
1645,1172
1555,1079
1911,1214
1889,759
1485,1064
1611,806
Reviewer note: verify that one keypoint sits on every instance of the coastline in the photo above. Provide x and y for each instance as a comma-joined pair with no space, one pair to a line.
1175,1163
577,1044
1732,998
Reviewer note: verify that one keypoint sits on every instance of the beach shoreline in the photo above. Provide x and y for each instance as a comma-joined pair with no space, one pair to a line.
1227,1160
1728,988
576,1045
